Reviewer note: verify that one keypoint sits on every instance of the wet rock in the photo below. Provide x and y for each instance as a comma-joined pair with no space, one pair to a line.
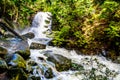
49,73
29,35
22,48
24,53
37,46
3,51
61,63
16,45
30,64
17,67
76,66
15,61
4,43
3,66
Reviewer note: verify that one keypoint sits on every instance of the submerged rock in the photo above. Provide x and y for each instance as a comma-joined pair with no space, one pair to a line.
61,63
37,46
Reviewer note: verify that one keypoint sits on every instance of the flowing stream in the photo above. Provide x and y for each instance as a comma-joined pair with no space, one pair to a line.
94,67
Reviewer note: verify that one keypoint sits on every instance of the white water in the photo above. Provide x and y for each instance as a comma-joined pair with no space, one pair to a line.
89,62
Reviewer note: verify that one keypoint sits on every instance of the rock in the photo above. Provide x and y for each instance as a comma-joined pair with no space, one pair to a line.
3,66
76,66
17,67
22,48
15,61
24,53
39,70
3,51
37,46
49,73
61,63
29,35
16,45
4,43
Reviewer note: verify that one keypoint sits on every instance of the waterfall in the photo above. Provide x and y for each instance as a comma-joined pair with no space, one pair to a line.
41,27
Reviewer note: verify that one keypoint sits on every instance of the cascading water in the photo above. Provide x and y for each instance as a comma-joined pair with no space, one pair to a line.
95,67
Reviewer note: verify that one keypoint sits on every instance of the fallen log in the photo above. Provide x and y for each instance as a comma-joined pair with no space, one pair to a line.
6,25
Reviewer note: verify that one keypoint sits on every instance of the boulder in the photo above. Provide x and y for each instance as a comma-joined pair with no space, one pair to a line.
29,35
61,63
16,67
21,48
37,46
15,61
16,45
24,53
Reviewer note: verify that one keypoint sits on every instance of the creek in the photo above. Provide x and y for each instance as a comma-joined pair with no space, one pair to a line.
52,63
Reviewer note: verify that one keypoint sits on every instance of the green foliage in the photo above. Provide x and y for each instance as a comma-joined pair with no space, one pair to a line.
113,30
18,11
84,23
67,20
108,8
77,24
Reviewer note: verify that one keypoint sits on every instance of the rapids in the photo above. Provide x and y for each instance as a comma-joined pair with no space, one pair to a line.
94,66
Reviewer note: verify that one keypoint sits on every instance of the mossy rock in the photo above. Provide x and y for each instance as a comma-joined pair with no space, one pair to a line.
49,73
61,63
15,61
29,35
76,66
3,66
22,48
24,53
37,46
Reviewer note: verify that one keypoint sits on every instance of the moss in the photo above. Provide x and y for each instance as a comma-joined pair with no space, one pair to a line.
24,53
